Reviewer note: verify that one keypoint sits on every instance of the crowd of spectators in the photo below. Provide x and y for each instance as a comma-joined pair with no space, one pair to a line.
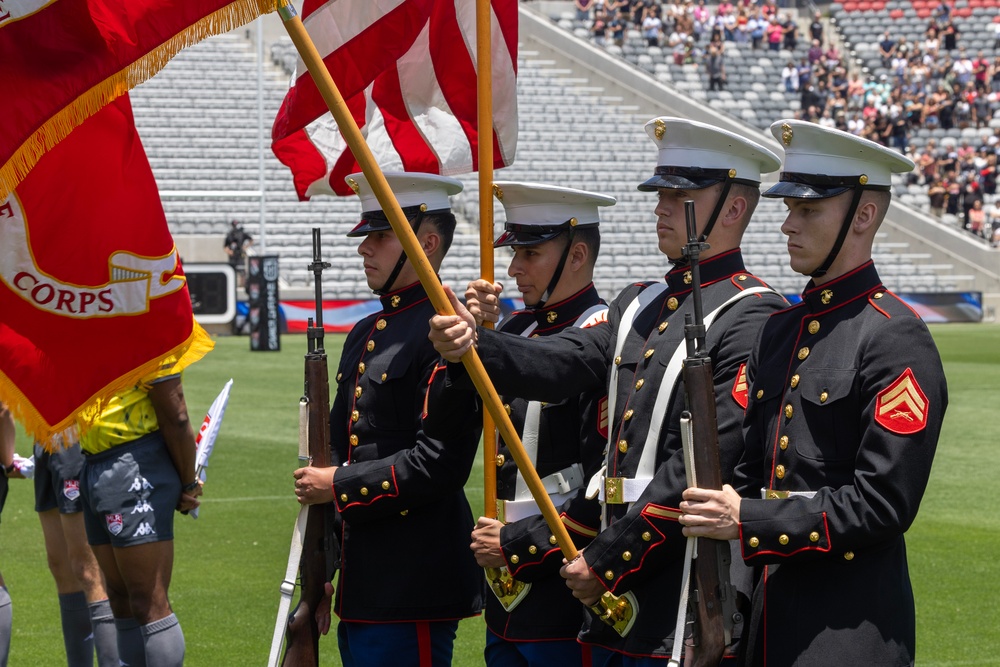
923,84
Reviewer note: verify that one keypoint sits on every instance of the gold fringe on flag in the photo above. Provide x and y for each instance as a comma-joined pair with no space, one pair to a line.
58,127
64,433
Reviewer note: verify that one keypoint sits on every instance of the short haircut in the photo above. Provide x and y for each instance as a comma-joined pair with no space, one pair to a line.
881,199
591,236
444,223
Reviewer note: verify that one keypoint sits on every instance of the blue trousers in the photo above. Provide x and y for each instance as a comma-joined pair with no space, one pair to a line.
602,657
562,653
417,644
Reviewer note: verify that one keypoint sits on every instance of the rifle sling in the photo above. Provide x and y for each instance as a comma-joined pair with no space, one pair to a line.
288,587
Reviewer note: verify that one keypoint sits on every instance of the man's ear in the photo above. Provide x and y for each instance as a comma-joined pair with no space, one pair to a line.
430,240
865,217
579,255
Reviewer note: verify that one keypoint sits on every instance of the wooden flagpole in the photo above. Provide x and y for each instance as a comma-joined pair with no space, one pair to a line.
484,89
331,95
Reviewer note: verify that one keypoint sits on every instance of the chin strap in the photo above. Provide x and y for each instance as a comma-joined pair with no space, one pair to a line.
402,258
727,184
842,235
558,272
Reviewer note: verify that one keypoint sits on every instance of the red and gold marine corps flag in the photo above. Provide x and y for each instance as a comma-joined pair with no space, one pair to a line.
62,61
92,295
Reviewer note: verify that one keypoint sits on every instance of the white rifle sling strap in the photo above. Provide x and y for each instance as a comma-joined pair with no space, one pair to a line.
560,485
295,550
632,488
687,443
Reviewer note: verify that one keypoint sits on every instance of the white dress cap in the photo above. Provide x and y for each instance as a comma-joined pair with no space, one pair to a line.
414,191
823,162
537,212
695,155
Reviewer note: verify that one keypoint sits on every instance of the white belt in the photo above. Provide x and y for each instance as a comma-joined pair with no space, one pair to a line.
510,511
771,494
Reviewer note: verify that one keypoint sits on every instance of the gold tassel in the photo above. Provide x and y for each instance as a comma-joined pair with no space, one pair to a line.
58,127
197,345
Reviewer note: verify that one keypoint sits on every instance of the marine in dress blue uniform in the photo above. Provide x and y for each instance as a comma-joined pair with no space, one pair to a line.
847,397
640,549
406,573
554,234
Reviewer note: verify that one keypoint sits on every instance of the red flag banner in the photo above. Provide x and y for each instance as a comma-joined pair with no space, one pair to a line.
92,294
418,113
63,61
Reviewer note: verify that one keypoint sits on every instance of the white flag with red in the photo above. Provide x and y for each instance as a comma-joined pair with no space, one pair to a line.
209,431
417,113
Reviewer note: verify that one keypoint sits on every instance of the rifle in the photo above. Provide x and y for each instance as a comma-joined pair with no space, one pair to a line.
715,596
319,546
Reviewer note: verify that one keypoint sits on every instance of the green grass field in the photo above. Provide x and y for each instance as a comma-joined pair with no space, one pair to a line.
230,561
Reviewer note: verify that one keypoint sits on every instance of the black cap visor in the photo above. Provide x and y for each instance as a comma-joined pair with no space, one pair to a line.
815,186
377,221
683,178
515,235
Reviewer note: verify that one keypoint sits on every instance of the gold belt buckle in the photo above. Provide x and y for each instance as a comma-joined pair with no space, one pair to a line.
614,490
775,494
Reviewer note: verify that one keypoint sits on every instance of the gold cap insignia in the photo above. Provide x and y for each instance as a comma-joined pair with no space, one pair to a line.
826,296
498,192
354,185
660,128
786,134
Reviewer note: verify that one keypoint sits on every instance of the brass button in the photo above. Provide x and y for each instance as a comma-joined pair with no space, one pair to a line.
370,346
357,392
638,385
795,381
646,537
339,376
609,575
823,396
783,540
849,555
618,360
688,278
803,353
878,295
532,550
672,303
779,471
753,542
789,410
552,539
622,446
741,278
628,414
627,556
500,459
515,559
760,393
361,368
783,442
354,440
647,354
813,326
385,486
384,376
663,326
551,316
506,408
395,301
381,324
814,536
364,490
343,497
355,415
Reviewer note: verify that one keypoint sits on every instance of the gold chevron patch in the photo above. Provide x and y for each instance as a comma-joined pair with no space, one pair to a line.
602,417
902,407
740,387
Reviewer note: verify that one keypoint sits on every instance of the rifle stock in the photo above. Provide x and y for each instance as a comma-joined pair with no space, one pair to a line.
319,543
713,597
